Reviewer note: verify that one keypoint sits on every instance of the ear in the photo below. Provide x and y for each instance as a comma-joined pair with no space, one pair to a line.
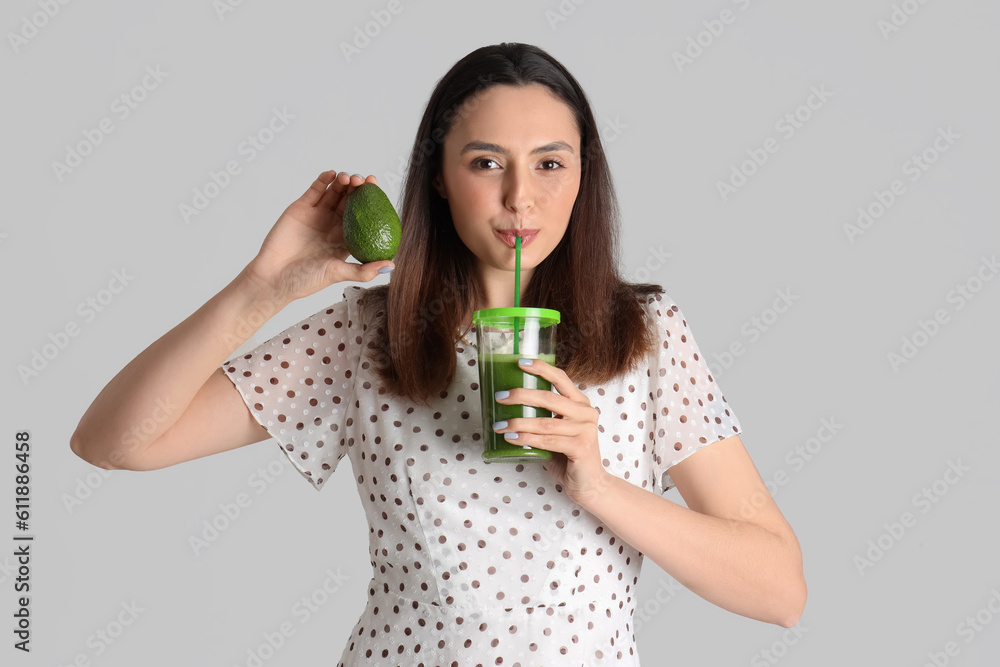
439,186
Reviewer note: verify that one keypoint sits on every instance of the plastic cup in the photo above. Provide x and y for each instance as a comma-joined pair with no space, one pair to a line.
496,328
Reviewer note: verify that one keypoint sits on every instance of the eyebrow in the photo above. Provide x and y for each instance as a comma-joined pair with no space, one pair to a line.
496,148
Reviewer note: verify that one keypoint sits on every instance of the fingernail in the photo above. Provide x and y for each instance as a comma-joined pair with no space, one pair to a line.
500,395
510,436
499,425
386,269
524,362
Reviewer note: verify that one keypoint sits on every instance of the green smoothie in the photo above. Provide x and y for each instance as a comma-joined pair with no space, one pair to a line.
498,372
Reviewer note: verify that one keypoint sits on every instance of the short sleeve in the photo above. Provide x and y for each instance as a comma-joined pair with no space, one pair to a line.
298,386
689,409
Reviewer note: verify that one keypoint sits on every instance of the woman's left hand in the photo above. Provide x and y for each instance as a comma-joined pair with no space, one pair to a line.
571,433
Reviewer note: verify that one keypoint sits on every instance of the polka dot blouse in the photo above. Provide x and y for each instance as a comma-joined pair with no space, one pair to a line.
478,563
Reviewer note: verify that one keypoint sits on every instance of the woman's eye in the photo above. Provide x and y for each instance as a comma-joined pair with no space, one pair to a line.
488,163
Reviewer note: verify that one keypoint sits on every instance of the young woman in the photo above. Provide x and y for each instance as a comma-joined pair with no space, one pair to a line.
473,562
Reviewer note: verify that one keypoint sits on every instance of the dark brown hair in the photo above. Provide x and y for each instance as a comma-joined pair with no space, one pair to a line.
603,332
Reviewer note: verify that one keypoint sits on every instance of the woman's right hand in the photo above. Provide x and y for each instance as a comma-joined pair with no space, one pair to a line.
304,252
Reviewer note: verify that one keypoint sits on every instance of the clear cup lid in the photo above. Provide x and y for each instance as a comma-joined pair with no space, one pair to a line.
546,316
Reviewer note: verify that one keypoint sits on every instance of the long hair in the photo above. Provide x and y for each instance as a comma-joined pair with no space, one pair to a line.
603,331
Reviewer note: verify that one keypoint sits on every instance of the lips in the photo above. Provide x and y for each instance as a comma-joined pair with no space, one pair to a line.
508,236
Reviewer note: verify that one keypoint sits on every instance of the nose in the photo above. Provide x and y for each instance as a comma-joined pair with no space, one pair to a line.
518,191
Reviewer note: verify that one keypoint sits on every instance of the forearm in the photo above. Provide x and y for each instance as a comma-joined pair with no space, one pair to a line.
734,564
155,388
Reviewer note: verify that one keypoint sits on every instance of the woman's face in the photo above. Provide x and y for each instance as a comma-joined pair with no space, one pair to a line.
511,166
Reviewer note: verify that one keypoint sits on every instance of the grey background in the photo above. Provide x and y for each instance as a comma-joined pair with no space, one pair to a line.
679,132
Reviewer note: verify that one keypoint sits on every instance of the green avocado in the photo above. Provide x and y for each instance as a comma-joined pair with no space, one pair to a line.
371,225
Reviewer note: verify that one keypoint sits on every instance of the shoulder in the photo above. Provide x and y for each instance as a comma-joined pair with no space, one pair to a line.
368,298
659,309
367,306
350,314
670,327
664,310
363,303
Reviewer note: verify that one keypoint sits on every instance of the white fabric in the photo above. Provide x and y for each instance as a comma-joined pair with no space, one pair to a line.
477,561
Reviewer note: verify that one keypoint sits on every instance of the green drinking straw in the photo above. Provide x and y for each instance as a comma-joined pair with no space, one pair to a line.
517,286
